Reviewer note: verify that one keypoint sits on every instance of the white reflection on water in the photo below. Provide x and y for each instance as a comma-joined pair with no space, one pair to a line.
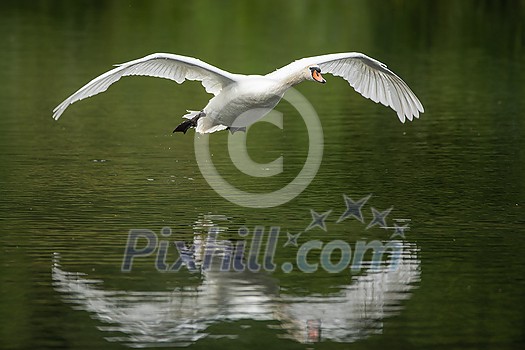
182,316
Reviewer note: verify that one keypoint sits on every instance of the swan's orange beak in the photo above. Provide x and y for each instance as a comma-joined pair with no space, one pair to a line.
318,77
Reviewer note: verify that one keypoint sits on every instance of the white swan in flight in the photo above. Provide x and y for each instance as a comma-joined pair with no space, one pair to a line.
253,96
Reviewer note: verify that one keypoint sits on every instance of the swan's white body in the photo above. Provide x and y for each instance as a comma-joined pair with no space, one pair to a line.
242,99
240,104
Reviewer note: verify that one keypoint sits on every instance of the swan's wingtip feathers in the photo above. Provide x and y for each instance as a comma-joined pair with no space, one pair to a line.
163,65
57,112
410,116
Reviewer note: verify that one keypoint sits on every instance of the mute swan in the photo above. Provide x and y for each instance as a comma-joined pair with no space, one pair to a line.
256,95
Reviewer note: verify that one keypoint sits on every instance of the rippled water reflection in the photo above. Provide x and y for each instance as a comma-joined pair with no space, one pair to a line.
71,191
182,316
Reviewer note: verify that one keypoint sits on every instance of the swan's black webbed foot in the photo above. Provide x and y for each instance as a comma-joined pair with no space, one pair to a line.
190,123
234,129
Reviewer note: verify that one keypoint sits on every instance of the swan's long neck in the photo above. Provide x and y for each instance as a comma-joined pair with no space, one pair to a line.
294,79
288,76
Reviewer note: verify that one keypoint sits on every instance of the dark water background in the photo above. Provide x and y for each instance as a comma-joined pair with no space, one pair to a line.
71,190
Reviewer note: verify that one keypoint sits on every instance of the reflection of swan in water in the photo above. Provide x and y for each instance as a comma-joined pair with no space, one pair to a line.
357,309
182,316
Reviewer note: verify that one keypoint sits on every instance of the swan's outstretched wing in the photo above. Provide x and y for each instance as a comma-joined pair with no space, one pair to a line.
373,80
162,65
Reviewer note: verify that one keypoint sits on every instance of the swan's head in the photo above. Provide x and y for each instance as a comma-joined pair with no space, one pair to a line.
315,74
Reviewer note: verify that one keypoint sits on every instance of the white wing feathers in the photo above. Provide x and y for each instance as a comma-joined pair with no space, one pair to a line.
162,65
369,77
373,80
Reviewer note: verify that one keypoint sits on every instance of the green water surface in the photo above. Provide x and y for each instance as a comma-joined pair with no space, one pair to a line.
72,190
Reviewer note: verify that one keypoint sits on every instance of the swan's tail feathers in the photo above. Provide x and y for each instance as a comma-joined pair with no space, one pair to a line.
191,114
193,117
